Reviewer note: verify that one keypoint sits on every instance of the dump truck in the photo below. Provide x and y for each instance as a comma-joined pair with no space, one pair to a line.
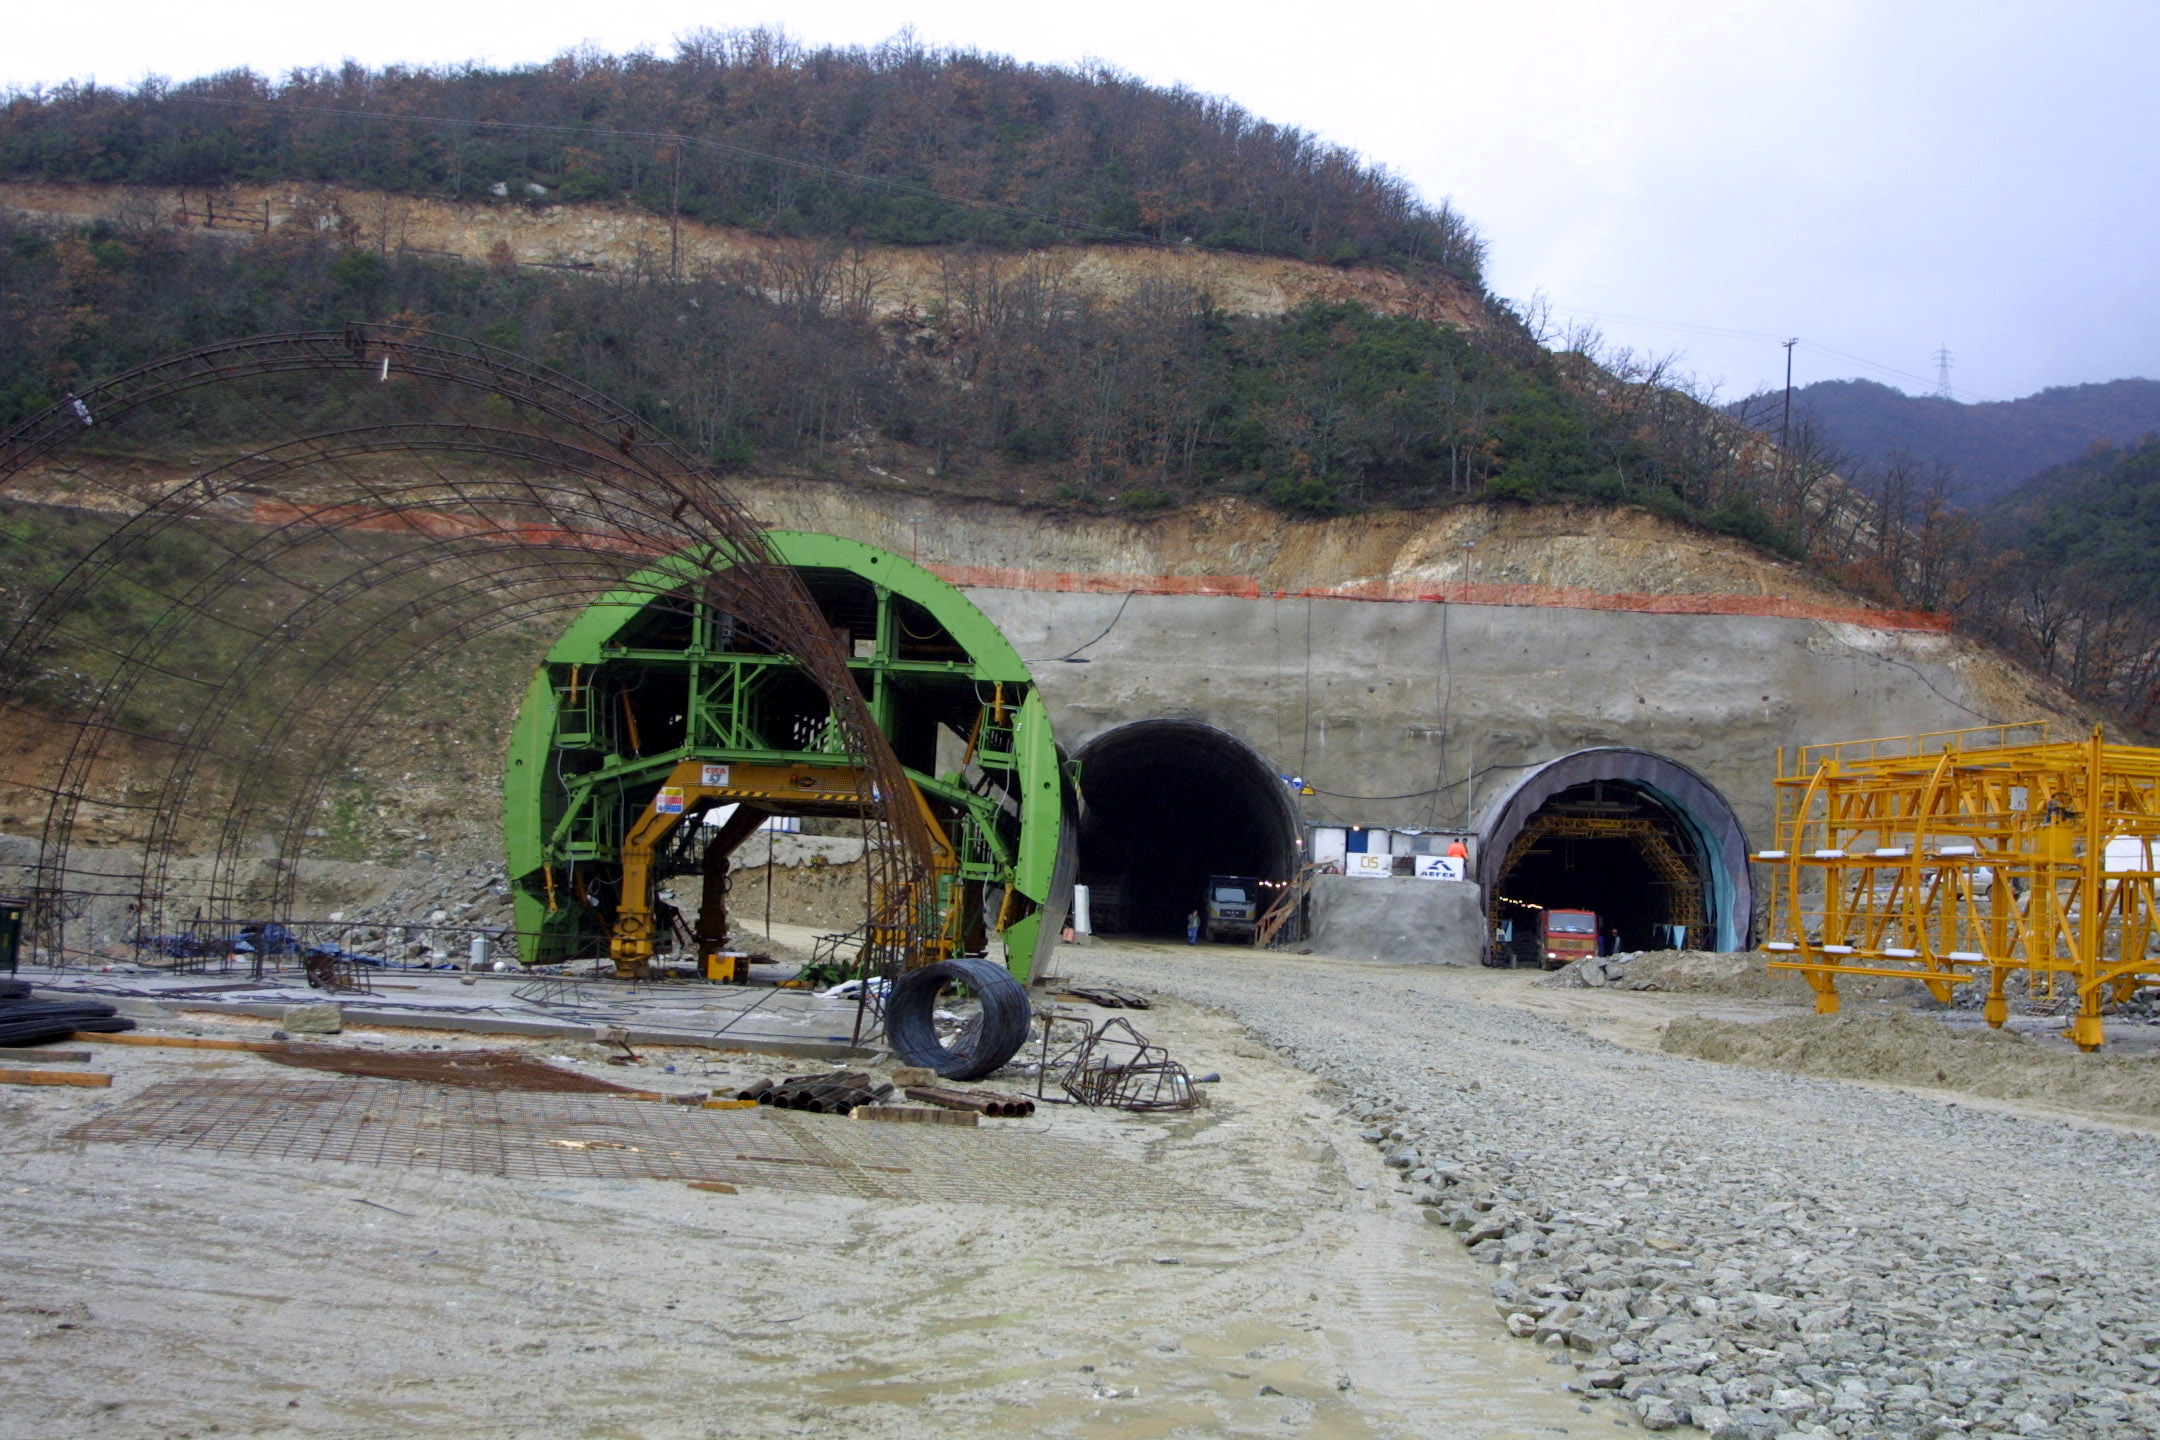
1569,935
1232,908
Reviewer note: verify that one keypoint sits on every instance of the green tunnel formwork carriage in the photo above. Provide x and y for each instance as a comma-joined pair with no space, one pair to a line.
654,712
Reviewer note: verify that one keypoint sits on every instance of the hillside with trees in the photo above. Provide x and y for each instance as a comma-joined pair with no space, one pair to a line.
1004,376
1008,377
893,145
2073,583
1983,450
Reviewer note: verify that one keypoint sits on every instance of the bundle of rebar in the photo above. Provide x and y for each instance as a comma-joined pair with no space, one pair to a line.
26,1020
818,1094
982,1102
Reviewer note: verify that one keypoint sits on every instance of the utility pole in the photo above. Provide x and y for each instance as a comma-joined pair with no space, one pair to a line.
674,224
1784,432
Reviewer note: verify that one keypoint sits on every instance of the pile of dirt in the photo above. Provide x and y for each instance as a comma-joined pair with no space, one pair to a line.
1741,975
1903,1048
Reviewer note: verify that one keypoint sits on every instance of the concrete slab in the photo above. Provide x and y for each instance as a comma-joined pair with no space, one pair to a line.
1397,920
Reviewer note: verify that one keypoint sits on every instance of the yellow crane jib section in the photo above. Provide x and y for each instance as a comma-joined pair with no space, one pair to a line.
688,788
1966,857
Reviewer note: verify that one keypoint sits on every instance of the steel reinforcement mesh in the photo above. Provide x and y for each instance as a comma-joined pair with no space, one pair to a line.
518,1135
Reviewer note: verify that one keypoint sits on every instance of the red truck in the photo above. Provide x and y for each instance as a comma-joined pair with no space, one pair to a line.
1569,935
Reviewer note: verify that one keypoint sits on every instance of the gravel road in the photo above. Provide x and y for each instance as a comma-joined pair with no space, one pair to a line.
1757,1254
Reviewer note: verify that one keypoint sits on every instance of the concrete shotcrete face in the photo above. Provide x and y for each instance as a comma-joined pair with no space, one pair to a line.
1167,803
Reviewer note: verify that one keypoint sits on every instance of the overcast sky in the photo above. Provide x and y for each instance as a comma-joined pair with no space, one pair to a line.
1874,177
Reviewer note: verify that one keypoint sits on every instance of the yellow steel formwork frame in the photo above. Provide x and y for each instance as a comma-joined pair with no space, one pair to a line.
1960,856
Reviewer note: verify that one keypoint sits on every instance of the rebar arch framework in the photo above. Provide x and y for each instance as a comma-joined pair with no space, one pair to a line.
1961,857
259,543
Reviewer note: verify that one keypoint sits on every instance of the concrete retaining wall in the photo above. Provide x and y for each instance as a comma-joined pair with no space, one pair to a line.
1399,921
1418,714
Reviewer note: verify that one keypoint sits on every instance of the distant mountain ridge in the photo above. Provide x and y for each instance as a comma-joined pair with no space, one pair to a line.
1990,447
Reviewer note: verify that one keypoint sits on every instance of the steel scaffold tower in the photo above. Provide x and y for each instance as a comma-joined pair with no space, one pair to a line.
1959,857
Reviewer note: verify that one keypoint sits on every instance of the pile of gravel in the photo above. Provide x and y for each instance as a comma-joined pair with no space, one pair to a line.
1755,1254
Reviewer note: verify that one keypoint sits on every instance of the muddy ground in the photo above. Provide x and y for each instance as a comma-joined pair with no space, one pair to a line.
149,1292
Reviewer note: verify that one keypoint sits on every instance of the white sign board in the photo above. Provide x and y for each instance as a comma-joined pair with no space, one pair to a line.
713,775
1364,862
1439,867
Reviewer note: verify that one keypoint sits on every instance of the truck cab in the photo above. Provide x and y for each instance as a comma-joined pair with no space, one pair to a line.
1231,909
1569,935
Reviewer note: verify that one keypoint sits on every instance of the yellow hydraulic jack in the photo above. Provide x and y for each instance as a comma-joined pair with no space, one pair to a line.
761,790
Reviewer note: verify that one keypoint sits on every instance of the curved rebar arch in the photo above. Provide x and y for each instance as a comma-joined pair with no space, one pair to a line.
398,494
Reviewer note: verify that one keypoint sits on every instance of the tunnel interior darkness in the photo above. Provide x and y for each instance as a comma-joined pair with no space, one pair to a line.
1613,847
1164,805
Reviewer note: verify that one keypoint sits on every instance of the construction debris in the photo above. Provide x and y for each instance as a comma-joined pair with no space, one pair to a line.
548,990
818,1094
915,1114
181,1042
324,1019
466,1069
1112,1065
983,1102
334,970
88,1080
1104,996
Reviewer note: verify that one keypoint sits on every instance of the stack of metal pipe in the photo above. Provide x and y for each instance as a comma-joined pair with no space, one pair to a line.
982,1102
818,1094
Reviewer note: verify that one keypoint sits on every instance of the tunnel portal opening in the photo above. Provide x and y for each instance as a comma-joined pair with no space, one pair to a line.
1615,848
1165,804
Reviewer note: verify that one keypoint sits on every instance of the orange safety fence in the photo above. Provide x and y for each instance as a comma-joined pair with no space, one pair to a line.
1563,597
1241,587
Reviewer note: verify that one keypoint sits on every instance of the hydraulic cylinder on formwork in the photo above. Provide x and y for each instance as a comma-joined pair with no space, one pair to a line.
1961,856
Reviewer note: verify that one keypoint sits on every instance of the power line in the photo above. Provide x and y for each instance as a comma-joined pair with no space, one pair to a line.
1729,333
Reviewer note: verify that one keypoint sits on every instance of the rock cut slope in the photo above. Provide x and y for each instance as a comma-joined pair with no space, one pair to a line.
895,279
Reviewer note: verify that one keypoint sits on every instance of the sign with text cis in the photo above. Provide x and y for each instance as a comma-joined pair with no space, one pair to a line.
1367,863
714,775
1439,867
669,801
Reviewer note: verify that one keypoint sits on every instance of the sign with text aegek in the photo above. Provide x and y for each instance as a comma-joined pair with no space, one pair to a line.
1363,862
1439,867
